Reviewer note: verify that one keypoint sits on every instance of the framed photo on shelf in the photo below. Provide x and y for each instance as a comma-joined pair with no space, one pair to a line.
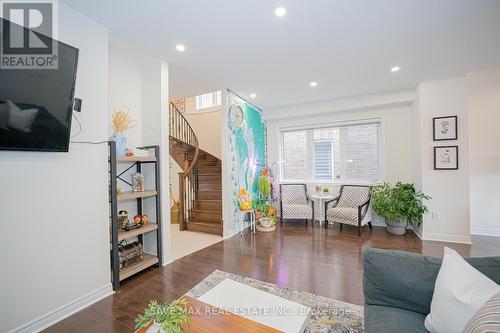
445,128
446,158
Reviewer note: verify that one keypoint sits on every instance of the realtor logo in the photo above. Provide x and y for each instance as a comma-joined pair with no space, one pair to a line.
28,35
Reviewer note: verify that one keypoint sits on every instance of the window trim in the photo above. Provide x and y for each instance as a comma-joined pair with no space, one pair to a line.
309,128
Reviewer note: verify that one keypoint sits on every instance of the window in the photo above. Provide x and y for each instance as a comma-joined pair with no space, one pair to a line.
342,153
295,152
207,101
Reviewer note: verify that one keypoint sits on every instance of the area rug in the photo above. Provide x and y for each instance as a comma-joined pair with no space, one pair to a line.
327,315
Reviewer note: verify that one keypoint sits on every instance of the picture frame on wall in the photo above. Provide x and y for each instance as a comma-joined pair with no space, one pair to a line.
446,158
445,128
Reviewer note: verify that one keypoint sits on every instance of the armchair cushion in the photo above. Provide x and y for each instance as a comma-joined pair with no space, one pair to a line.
297,211
343,215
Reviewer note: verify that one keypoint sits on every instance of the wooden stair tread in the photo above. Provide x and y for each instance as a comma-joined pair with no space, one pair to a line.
215,212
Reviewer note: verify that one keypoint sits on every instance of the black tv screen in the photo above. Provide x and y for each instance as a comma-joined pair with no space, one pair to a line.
36,104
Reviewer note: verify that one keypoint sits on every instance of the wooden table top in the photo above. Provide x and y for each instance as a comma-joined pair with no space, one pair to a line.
206,318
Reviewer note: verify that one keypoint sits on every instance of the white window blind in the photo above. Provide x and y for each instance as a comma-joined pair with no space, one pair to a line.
343,153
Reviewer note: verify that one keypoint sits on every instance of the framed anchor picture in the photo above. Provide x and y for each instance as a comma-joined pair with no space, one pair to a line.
445,128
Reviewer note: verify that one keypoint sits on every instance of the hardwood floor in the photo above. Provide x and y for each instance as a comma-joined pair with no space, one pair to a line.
323,262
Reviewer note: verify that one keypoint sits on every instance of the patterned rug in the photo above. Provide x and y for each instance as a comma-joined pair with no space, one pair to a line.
328,315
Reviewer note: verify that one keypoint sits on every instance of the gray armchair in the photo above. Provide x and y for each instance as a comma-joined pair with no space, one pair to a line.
350,207
295,203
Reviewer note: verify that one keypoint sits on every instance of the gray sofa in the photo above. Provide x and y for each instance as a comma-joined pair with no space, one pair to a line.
398,288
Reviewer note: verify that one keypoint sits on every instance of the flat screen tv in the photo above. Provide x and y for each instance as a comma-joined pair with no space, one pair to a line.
36,104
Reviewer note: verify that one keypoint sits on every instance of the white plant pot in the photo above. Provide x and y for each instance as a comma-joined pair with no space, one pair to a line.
155,328
397,227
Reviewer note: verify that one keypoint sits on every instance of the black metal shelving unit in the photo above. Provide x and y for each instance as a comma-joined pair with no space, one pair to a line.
118,235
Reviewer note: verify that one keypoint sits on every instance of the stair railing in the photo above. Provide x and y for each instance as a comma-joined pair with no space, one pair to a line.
182,132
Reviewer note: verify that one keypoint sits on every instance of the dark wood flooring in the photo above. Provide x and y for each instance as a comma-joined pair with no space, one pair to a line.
323,262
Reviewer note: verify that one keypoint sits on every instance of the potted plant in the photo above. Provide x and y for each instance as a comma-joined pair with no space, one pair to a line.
262,204
168,317
325,191
400,205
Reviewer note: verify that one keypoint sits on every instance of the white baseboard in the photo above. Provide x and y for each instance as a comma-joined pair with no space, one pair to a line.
447,238
167,259
64,311
485,232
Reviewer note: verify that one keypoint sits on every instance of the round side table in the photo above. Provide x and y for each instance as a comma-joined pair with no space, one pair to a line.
322,198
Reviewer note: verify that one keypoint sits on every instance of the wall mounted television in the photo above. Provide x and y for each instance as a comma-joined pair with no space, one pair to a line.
36,104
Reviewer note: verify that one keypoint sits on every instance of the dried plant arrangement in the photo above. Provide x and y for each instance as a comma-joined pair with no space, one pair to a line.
122,121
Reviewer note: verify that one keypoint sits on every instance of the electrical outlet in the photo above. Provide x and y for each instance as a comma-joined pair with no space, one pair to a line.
435,215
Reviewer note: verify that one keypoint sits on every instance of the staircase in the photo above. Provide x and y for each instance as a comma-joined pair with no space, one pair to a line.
200,182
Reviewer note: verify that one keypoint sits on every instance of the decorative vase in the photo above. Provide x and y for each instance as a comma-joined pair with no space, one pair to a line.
155,328
121,143
396,227
266,222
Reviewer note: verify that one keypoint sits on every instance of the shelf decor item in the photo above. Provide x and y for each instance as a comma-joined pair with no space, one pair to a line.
122,219
445,128
164,318
326,191
121,123
137,182
446,158
130,254
400,205
244,199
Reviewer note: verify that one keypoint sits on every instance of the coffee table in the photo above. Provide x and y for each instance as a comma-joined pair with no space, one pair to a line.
206,318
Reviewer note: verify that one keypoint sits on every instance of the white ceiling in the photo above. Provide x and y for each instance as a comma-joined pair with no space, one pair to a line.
347,46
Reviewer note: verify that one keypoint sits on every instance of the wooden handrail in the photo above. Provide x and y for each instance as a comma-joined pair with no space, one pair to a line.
182,132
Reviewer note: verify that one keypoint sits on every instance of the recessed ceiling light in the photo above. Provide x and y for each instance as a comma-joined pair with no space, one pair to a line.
395,69
180,47
280,11
313,84
253,95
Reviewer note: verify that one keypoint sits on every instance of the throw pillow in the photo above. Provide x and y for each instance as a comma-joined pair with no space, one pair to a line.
459,292
21,119
4,115
487,319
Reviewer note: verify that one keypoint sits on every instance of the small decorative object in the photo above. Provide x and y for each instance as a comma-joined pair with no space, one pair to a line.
244,200
137,219
272,213
144,219
174,211
325,191
130,254
118,189
446,158
129,153
163,318
121,123
123,220
445,128
317,188
138,182
399,205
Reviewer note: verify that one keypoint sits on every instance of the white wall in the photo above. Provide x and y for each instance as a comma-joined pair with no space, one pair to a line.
55,205
448,219
484,151
393,111
207,127
125,94
154,127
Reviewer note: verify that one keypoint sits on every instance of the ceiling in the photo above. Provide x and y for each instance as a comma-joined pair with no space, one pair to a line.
346,46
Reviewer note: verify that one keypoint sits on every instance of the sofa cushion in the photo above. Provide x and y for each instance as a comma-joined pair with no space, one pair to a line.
406,280
384,319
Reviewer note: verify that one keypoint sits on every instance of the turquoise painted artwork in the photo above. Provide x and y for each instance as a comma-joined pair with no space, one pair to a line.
247,146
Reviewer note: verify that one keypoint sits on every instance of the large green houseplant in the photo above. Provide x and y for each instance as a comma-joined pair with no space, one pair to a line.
400,205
